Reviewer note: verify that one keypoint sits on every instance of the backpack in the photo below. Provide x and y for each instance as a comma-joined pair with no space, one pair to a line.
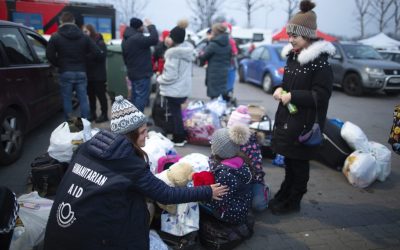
215,234
47,174
166,161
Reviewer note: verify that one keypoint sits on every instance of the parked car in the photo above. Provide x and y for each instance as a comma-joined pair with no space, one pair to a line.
392,55
360,68
264,67
29,87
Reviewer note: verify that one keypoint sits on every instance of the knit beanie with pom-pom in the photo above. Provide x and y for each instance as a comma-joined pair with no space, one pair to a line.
304,23
226,142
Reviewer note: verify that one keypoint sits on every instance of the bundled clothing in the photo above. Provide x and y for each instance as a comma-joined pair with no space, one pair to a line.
218,55
100,203
234,206
253,151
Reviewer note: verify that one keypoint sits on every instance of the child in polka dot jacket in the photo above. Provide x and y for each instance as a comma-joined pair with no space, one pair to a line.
253,151
231,168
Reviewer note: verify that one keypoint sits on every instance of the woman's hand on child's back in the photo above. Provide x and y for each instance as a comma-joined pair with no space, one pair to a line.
218,191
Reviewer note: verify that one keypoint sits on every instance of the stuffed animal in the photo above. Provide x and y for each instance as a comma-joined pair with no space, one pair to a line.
203,178
178,175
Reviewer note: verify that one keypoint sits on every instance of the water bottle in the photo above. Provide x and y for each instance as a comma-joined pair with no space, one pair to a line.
291,107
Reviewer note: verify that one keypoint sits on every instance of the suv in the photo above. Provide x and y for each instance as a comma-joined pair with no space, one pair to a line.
29,87
392,55
359,68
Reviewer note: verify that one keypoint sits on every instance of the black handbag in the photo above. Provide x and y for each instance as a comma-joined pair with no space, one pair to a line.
47,174
312,137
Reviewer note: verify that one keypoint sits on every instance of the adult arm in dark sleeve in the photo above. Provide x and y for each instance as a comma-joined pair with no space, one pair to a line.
101,57
321,84
152,187
94,50
208,53
51,52
148,41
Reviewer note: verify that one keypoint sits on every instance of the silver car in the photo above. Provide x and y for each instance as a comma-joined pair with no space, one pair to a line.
360,68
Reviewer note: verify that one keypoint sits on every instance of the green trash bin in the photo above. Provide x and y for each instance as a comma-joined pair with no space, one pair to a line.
116,72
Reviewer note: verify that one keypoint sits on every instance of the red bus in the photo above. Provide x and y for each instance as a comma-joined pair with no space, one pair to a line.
43,15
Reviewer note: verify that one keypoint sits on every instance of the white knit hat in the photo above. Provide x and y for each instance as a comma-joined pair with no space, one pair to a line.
226,142
125,117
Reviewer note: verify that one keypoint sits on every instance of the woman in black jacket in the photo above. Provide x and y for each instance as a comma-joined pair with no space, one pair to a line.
97,76
100,203
307,73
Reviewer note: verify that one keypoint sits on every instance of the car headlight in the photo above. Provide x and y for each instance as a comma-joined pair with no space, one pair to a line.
374,72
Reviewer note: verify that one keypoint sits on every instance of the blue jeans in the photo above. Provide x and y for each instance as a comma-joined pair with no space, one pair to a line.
77,81
260,197
140,93
231,79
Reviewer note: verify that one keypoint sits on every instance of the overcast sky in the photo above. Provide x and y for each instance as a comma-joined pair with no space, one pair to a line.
333,16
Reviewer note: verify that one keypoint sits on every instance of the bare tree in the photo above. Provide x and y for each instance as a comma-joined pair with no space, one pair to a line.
396,17
249,7
126,9
380,12
362,8
204,11
293,5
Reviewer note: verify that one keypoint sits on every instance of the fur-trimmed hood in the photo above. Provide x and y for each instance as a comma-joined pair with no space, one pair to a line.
181,51
312,52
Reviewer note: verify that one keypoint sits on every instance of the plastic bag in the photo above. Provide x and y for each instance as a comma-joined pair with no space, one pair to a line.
217,105
383,159
198,161
355,137
185,221
156,242
360,168
200,125
63,142
156,147
34,212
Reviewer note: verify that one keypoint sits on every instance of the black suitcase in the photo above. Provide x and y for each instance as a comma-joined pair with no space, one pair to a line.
160,113
334,149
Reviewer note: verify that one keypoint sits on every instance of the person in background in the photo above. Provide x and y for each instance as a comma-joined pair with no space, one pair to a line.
190,40
137,57
218,56
176,79
230,167
158,59
100,202
97,76
308,74
67,50
234,63
252,150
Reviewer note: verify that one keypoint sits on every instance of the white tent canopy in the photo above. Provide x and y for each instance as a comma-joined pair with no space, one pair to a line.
381,41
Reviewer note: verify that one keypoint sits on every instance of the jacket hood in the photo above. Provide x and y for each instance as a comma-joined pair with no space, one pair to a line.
222,40
129,32
110,146
181,52
70,31
312,52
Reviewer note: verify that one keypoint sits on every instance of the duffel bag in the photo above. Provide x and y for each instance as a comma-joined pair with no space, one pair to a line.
215,234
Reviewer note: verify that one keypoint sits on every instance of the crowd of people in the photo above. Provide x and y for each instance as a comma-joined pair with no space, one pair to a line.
112,213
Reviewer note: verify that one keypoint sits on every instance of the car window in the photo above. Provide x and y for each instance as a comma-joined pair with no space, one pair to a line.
396,58
338,54
256,54
15,47
359,51
38,47
265,56
386,56
278,51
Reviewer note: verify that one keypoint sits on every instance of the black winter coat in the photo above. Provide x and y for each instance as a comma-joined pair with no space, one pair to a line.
96,65
218,55
305,72
136,52
68,47
100,203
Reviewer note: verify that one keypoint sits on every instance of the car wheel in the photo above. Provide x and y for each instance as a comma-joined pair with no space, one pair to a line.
392,92
241,75
12,136
267,83
352,85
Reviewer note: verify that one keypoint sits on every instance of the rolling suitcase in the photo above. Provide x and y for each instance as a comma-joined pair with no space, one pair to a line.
334,149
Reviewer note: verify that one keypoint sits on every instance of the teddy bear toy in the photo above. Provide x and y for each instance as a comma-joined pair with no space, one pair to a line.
177,175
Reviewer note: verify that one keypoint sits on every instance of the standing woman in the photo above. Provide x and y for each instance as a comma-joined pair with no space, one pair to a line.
176,79
96,73
307,74
218,55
